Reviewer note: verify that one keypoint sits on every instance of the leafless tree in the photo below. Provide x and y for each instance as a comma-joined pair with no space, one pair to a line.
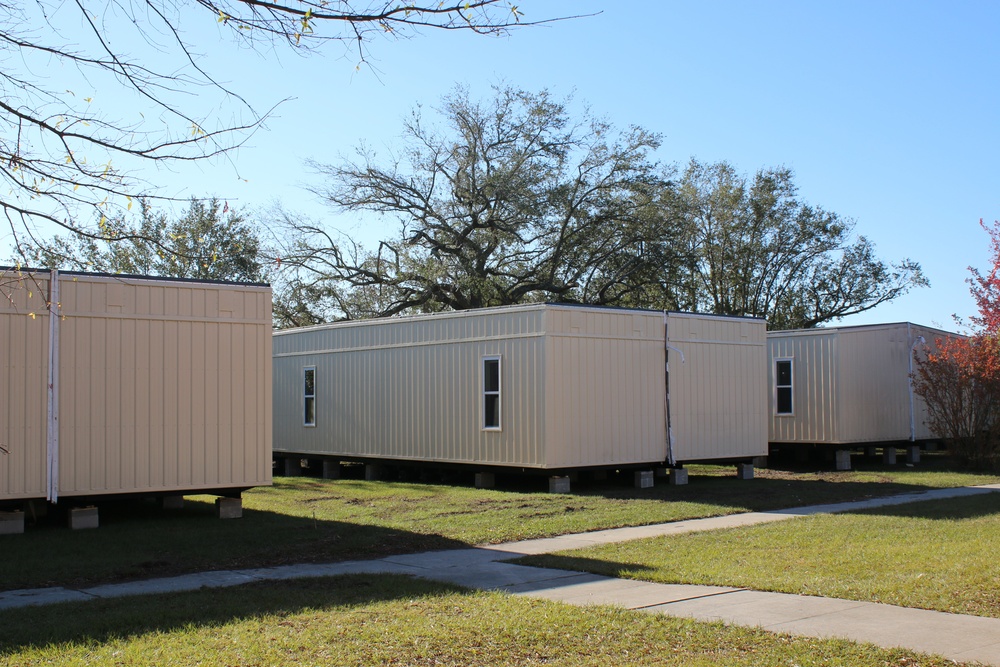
91,91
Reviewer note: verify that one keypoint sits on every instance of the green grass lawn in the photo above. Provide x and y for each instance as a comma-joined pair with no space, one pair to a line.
392,620
934,555
312,520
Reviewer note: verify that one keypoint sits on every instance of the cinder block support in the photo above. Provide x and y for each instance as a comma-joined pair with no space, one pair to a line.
913,454
11,523
744,471
229,508
172,502
331,469
374,472
678,476
485,480
759,462
559,484
292,467
843,459
889,456
643,479
81,518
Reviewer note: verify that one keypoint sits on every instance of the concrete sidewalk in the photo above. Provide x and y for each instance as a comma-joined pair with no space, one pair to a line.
957,637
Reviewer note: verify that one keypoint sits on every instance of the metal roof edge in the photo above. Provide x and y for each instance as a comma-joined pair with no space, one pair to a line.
133,276
855,327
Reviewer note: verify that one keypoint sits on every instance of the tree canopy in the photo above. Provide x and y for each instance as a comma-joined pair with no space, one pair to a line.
750,246
209,241
94,90
516,199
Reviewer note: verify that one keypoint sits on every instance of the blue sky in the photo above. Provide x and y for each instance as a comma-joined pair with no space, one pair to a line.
887,112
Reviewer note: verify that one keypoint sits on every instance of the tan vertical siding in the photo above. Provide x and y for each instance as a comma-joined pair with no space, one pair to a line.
409,388
873,401
24,332
718,392
815,386
581,387
143,407
605,387
850,384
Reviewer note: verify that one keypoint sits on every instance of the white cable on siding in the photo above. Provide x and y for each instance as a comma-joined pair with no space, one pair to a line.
52,428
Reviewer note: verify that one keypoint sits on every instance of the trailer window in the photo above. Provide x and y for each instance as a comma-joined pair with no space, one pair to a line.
783,386
309,396
491,393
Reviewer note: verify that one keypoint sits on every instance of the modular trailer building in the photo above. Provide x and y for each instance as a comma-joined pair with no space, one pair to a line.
848,386
541,386
158,387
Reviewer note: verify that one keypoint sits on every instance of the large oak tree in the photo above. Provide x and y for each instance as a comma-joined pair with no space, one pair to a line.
751,246
516,199
512,200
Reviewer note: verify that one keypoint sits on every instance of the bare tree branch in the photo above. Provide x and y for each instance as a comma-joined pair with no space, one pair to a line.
70,153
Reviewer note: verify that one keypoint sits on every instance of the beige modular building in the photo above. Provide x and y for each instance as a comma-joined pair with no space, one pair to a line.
541,386
131,385
847,385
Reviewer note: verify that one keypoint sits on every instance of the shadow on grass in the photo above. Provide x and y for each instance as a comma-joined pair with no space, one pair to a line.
785,483
139,540
769,491
100,621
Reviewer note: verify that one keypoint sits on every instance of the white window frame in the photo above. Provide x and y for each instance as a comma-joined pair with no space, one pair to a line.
790,386
484,393
307,397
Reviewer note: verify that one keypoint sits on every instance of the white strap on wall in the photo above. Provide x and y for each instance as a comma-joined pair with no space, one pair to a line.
52,423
